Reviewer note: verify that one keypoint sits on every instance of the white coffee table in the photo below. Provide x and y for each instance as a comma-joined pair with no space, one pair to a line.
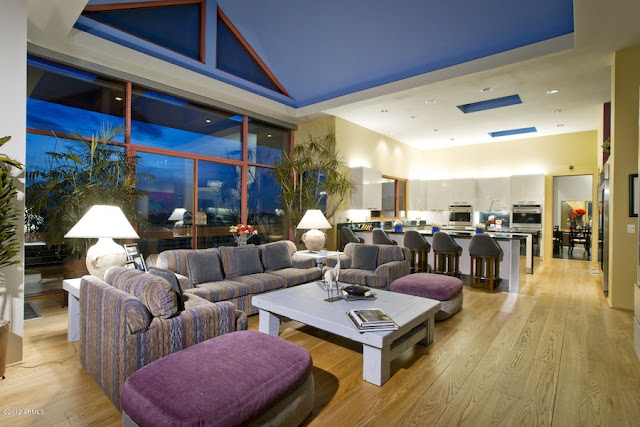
73,310
320,257
305,304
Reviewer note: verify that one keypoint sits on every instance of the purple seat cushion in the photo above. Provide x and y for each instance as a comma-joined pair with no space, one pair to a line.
227,380
433,286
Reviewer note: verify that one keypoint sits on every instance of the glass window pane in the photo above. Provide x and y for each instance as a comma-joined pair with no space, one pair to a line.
66,101
264,204
402,199
388,197
218,203
163,121
169,207
266,143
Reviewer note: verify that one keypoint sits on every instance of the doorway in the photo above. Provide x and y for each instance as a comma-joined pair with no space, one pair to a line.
573,217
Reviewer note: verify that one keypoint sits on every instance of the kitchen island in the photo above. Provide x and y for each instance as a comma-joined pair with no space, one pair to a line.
512,265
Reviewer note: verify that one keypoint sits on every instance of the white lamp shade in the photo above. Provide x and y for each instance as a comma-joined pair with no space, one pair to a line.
177,214
103,221
313,218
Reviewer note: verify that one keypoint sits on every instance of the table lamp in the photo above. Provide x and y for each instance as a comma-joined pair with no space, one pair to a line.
177,215
104,223
312,220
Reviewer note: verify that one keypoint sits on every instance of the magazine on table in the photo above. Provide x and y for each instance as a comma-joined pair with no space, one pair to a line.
372,319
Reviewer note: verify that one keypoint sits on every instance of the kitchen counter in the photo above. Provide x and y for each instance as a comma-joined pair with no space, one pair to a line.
510,264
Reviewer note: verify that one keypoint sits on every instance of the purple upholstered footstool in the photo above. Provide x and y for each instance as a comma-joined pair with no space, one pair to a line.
241,378
446,289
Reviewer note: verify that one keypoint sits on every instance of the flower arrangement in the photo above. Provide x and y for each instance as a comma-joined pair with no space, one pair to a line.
578,212
242,233
397,225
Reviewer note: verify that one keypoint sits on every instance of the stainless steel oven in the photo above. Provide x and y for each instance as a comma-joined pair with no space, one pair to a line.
527,216
460,215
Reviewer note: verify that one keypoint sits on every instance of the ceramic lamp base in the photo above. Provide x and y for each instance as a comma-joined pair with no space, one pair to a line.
104,254
314,240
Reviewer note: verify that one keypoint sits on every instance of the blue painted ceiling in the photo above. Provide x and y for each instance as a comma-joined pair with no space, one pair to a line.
320,50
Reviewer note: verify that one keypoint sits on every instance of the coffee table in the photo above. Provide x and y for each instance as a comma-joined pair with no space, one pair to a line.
305,304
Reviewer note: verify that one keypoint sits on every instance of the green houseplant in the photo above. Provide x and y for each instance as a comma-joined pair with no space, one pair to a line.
10,245
82,172
312,176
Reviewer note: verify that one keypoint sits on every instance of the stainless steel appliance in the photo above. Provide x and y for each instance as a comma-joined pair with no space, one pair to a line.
460,215
603,226
527,216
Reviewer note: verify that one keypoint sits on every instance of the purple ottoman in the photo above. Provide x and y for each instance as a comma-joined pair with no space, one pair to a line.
240,378
446,289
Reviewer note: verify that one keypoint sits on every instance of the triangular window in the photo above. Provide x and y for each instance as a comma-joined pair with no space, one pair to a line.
235,56
179,28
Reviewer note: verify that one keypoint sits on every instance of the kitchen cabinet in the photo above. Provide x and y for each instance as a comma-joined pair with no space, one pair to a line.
368,194
493,189
461,191
527,189
417,195
437,198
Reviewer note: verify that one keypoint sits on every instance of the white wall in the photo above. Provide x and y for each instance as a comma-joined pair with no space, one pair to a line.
578,187
13,51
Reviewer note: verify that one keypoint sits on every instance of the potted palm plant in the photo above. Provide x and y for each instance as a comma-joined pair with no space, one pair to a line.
10,245
82,172
312,176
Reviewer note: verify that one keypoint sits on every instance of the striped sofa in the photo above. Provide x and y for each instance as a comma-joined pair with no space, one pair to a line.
132,318
236,287
393,262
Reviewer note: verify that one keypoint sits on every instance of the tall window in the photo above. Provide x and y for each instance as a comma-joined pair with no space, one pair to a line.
205,160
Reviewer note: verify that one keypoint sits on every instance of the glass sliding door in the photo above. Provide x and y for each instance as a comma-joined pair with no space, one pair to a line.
263,204
169,208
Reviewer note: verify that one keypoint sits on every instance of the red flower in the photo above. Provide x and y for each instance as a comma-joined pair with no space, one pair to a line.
578,212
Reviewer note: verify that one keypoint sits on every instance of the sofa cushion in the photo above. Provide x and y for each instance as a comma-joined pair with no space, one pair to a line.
365,257
240,261
258,371
389,253
204,267
170,277
176,259
154,292
276,256
219,291
297,276
259,282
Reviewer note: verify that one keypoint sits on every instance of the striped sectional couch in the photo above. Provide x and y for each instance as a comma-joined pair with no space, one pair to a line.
392,263
133,318
234,284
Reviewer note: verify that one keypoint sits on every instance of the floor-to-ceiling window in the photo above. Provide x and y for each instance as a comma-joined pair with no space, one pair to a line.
211,168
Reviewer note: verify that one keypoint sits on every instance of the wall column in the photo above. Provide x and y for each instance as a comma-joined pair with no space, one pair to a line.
13,50
623,255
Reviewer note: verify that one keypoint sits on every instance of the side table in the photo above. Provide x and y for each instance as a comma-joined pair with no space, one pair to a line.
320,257
72,286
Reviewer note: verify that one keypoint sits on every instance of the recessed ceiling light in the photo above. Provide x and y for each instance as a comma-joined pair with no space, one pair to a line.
269,135
453,139
413,117
384,111
557,111
436,130
486,89
560,125
552,91
118,98
208,121
430,101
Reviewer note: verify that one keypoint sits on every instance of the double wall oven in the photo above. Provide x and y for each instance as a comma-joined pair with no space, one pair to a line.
527,216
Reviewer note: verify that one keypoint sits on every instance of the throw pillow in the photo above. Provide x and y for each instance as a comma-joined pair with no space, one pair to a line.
170,277
247,260
204,267
365,257
277,256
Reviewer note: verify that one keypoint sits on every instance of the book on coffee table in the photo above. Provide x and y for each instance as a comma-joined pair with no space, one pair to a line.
372,319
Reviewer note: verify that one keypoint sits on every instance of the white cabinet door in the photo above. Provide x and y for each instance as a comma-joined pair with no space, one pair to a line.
501,193
535,189
518,189
436,195
368,194
484,192
417,195
466,191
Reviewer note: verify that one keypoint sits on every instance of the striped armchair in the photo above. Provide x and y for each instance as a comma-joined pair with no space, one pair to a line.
393,262
131,319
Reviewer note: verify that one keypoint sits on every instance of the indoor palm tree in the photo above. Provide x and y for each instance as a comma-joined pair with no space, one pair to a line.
82,172
312,176
8,212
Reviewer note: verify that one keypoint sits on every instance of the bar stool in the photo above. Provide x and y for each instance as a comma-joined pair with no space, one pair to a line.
419,248
446,255
485,260
347,236
381,238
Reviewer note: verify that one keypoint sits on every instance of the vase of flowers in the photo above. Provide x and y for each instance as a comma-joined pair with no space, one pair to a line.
397,225
242,233
579,214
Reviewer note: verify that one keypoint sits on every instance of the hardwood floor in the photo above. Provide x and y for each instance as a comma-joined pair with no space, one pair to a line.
554,354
